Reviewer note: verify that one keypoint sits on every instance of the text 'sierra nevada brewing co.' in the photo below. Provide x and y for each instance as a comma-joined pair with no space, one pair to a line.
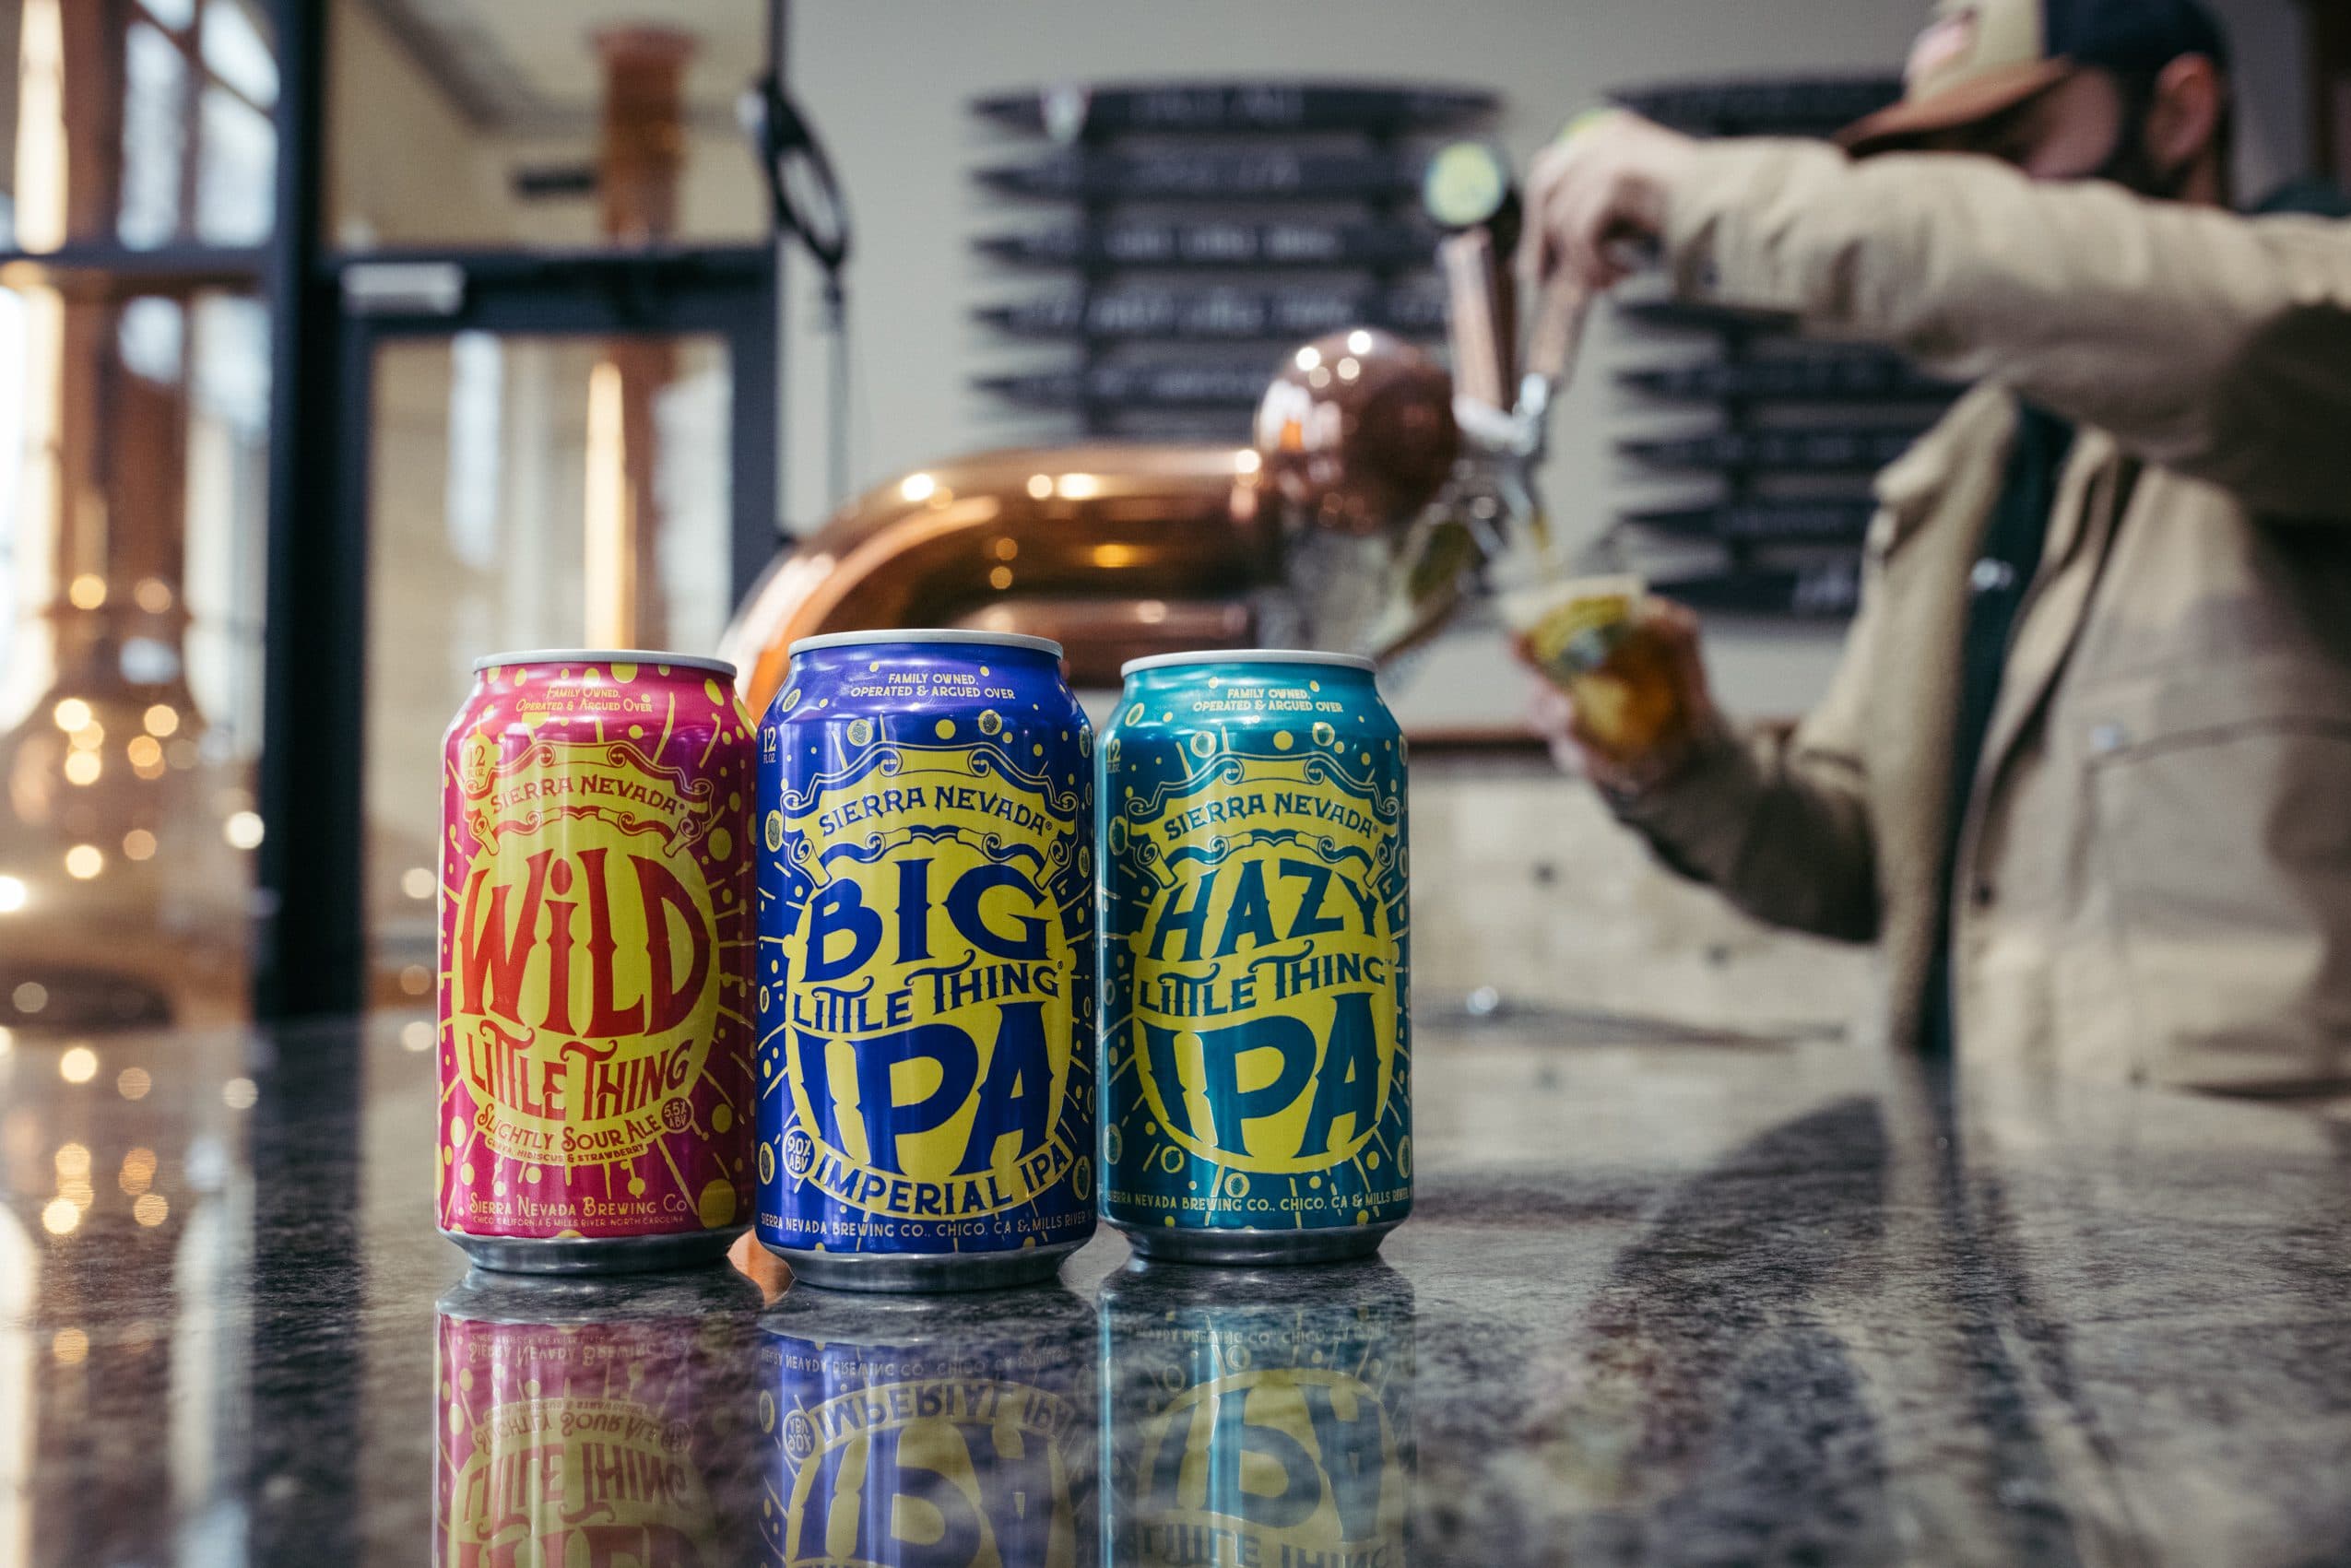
596,957
926,961
1256,1035
896,1438
571,1432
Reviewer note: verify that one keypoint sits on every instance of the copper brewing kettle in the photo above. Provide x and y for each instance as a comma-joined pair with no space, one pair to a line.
1119,549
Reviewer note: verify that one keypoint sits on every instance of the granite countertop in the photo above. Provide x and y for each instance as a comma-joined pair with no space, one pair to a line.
1672,1302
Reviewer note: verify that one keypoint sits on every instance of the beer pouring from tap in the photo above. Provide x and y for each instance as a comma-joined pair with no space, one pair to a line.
1393,586
1376,505
1411,556
1580,620
1487,532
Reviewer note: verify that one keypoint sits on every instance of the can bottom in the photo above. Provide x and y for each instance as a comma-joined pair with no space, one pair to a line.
1256,1248
925,1273
596,1255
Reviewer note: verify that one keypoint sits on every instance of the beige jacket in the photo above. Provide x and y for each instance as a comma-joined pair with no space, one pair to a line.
2154,877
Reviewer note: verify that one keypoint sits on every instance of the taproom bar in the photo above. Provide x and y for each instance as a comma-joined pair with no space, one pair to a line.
1229,785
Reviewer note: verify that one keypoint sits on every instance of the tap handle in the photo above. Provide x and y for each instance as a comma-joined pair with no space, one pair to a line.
1558,330
1478,316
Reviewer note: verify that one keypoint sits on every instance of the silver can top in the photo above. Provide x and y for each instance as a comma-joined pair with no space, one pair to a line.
1250,656
925,634
604,656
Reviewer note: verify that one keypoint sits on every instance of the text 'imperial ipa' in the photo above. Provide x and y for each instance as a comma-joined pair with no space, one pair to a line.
925,963
596,957
1257,1038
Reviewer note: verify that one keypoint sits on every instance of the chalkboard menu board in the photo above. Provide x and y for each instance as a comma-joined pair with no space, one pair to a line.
1204,229
1067,112
1210,244
1778,474
1219,312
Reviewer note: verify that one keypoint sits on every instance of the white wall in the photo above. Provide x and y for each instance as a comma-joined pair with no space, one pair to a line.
403,167
887,86
2273,92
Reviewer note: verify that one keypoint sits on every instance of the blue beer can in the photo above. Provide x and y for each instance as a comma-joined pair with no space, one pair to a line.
925,963
930,1433
1257,1031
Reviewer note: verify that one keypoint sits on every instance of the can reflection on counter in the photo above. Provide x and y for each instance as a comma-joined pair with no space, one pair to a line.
931,1432
1258,1419
594,1421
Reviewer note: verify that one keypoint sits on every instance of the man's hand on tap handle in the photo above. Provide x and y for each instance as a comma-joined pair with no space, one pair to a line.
1607,179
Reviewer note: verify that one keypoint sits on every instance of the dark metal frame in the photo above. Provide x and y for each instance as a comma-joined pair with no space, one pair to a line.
306,908
308,1298
313,939
721,292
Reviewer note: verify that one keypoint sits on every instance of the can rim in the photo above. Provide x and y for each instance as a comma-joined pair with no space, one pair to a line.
954,634
603,657
1250,656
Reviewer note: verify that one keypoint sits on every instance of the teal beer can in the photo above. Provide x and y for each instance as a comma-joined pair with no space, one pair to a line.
1257,1416
1257,1038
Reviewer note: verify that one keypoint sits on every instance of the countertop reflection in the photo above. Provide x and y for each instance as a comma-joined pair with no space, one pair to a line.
1665,1303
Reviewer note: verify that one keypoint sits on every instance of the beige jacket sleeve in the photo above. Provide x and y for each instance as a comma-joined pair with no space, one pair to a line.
2212,344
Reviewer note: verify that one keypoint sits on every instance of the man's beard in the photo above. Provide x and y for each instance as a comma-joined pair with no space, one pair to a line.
2134,168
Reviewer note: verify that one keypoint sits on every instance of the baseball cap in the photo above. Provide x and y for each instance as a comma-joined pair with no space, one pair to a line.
1978,57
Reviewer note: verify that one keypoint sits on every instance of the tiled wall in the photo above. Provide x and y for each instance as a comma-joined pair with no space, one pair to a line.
1521,882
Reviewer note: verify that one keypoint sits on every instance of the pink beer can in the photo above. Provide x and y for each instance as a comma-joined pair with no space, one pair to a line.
595,963
596,1421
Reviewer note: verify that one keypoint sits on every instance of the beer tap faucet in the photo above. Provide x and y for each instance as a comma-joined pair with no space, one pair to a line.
1469,190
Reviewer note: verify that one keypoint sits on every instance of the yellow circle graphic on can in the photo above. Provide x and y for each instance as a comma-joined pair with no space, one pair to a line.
1266,1016
931,1029
860,732
991,722
584,991
1320,1433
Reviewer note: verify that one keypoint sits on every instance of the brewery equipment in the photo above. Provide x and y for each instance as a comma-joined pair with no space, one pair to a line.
1373,502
